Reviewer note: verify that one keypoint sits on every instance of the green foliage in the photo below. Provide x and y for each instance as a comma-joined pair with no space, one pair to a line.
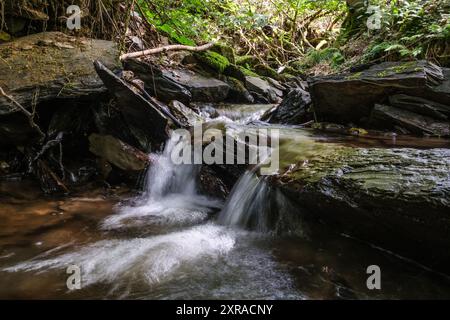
272,33
333,56
410,29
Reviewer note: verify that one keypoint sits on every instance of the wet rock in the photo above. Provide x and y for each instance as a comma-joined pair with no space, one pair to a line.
202,88
263,88
293,109
109,121
350,97
238,92
118,153
179,84
157,83
185,115
421,106
72,119
397,199
210,184
144,118
386,116
49,181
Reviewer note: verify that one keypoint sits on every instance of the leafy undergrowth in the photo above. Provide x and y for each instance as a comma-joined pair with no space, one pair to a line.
305,36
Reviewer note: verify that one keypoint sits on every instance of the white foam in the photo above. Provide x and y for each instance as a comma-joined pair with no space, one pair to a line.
153,259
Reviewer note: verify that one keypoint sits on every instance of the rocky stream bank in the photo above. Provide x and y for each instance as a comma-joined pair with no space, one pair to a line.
71,114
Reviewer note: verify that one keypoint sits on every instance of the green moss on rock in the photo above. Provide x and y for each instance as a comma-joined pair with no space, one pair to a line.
225,50
266,71
214,60
248,72
246,60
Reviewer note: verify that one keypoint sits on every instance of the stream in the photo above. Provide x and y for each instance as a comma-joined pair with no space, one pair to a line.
171,242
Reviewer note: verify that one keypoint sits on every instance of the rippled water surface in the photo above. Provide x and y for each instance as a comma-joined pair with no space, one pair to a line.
172,242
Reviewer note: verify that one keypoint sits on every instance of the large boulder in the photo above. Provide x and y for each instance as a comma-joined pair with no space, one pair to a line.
52,65
398,199
47,68
163,88
350,97
202,88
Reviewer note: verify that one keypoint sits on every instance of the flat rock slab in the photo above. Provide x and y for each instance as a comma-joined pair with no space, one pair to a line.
386,116
163,88
350,97
202,88
144,118
398,199
52,65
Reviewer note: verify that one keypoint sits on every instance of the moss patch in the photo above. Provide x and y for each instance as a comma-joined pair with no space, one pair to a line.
225,50
215,61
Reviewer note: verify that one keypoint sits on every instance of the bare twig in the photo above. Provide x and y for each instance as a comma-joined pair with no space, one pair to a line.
166,48
27,113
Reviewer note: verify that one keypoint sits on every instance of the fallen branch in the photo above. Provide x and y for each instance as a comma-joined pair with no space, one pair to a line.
175,47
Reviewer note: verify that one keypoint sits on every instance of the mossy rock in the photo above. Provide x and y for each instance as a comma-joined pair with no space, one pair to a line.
213,60
266,71
225,50
246,60
235,72
248,72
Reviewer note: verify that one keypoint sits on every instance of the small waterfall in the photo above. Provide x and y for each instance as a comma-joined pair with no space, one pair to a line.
171,197
166,178
254,204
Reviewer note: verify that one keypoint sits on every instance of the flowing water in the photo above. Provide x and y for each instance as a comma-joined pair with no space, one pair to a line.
172,242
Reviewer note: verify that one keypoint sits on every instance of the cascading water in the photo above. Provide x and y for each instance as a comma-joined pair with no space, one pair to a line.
171,196
254,204
184,256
